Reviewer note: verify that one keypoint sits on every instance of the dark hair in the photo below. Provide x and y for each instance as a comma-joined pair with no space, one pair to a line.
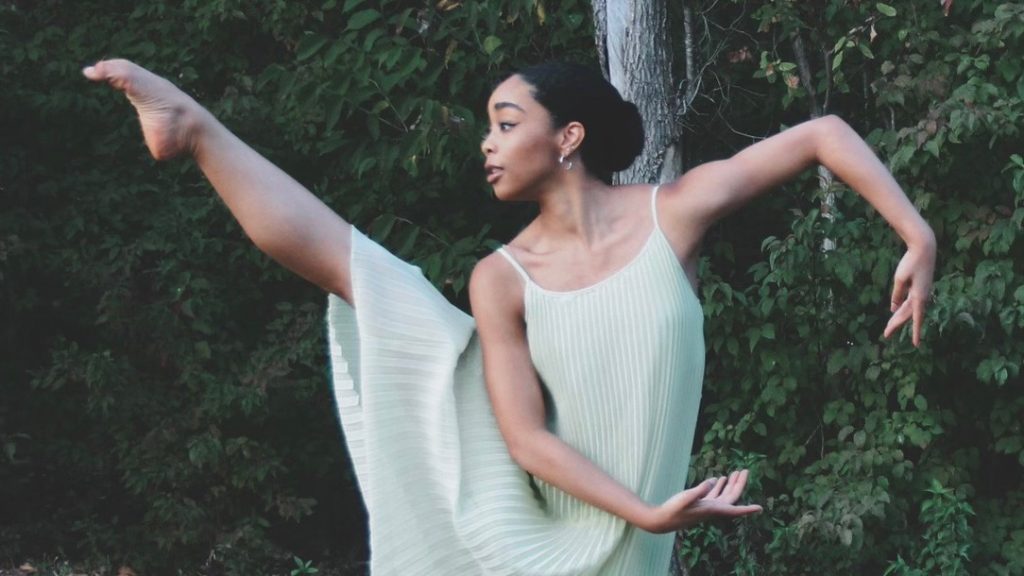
573,92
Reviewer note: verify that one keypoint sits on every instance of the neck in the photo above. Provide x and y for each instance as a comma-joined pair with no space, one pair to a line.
576,208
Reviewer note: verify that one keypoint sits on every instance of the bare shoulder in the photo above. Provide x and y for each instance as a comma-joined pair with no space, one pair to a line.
696,182
495,288
684,201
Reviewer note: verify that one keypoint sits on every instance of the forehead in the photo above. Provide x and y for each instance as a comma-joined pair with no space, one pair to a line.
515,91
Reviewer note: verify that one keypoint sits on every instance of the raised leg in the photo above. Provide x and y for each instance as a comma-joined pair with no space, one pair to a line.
280,216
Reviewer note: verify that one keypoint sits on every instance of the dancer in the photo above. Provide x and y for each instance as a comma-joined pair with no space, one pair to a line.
550,435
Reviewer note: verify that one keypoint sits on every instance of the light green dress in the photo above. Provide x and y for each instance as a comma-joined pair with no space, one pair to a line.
622,364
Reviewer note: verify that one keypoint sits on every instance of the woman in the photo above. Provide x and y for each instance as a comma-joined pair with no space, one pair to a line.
551,435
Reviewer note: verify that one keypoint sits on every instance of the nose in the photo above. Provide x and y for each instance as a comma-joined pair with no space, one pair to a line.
486,146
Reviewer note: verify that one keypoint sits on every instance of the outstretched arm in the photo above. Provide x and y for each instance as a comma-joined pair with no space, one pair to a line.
279,215
708,192
518,405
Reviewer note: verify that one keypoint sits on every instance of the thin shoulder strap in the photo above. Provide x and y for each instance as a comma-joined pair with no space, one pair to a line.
515,264
654,206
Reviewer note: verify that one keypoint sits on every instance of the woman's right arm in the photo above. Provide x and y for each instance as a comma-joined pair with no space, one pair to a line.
280,216
495,292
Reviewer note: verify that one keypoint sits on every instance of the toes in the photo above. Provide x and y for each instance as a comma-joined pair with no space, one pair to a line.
94,72
117,72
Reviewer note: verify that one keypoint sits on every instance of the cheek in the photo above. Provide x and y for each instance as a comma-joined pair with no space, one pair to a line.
535,156
532,169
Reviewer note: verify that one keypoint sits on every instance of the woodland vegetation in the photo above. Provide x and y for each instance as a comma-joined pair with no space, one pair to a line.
164,401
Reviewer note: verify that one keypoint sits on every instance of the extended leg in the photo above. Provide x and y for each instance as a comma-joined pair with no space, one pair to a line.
283,219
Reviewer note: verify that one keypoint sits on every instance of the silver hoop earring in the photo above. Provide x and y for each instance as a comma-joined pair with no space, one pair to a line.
561,160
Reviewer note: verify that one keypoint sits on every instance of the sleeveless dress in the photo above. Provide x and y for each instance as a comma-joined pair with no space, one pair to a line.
621,363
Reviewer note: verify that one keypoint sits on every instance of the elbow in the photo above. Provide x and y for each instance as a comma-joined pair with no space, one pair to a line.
524,448
831,126
831,136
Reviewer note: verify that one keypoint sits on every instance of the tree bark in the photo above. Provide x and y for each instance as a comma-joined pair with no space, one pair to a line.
634,49
825,177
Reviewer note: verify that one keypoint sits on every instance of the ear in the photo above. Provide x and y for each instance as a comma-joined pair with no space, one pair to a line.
571,138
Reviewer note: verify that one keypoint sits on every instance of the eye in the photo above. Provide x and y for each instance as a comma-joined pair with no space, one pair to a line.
502,127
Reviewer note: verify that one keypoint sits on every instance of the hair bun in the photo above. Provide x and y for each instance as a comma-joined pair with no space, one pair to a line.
627,140
571,92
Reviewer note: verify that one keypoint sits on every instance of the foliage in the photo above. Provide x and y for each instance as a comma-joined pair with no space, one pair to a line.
165,397
869,452
303,567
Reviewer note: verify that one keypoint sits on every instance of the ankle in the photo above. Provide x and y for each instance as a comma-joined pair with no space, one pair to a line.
198,126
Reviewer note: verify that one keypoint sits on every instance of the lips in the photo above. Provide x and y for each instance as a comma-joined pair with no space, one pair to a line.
493,173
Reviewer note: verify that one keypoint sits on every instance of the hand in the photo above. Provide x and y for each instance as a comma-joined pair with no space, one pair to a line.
912,288
711,499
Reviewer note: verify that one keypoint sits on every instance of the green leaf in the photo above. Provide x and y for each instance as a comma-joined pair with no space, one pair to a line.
859,438
332,54
837,61
920,402
308,46
362,19
886,9
491,43
350,4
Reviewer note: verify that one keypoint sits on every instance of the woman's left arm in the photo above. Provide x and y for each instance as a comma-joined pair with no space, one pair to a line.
708,192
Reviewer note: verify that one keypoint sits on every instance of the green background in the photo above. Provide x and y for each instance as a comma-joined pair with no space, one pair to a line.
163,389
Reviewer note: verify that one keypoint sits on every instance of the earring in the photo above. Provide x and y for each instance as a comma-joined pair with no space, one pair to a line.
561,160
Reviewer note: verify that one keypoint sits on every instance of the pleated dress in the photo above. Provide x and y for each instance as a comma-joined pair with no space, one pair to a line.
621,363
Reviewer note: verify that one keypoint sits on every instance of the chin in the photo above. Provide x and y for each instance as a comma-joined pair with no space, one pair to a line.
512,193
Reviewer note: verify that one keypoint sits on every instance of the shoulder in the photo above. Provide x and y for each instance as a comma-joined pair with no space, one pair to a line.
495,288
698,181
689,198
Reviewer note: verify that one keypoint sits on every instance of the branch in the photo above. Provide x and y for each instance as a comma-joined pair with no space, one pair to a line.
805,73
600,11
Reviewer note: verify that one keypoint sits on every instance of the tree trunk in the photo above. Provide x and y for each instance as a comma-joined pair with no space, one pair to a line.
825,177
633,46
634,49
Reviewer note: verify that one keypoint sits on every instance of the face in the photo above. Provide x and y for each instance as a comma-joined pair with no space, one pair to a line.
520,148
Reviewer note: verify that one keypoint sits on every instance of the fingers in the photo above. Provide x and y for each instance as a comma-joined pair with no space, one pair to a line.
902,314
717,487
737,482
729,488
745,510
918,305
911,308
899,294
688,497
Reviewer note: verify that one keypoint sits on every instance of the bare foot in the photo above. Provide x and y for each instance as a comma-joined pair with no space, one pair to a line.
170,118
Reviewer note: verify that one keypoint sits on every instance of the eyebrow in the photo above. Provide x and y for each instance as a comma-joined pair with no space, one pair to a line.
502,105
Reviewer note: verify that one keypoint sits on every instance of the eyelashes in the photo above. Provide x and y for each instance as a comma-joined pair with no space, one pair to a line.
502,126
